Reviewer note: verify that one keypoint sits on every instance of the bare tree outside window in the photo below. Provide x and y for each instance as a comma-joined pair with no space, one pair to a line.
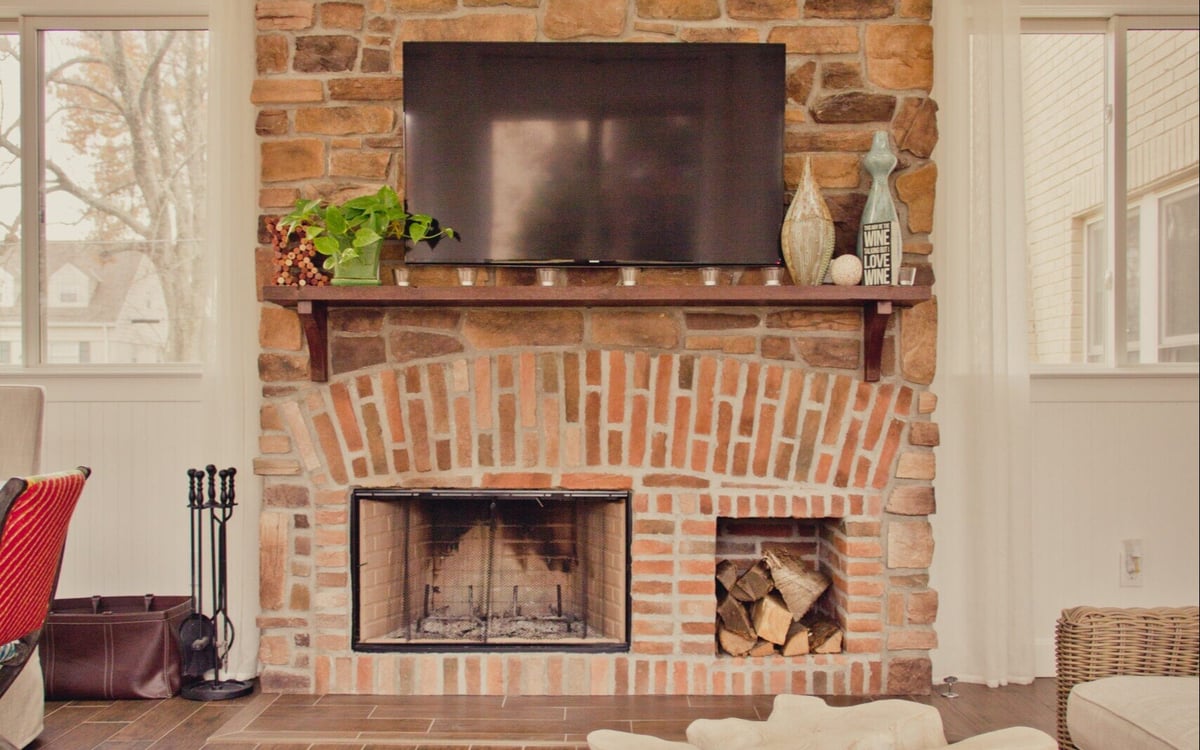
124,194
10,200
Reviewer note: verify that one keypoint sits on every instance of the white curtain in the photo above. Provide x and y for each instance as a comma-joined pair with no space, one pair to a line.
231,385
982,565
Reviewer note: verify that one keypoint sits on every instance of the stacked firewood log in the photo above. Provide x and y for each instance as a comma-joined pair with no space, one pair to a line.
766,609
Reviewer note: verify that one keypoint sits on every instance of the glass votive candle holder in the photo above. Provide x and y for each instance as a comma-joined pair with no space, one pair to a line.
466,276
907,275
400,274
711,276
547,276
628,276
772,276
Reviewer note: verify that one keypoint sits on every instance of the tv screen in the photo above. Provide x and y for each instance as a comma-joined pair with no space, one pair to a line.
596,153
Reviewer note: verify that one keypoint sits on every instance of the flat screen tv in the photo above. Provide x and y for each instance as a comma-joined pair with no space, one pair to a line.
596,153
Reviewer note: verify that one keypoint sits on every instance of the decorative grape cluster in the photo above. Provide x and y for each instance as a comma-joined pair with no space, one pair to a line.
294,259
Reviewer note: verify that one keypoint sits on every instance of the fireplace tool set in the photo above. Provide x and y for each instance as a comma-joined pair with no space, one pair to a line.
206,637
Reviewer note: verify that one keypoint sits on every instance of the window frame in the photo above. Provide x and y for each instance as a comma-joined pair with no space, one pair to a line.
34,281
1115,22
1161,339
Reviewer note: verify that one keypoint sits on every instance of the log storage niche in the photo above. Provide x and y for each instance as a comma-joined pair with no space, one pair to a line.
770,608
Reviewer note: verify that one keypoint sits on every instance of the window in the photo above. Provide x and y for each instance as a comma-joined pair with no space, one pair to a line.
68,287
1098,273
69,352
8,289
115,111
10,195
1179,235
1111,110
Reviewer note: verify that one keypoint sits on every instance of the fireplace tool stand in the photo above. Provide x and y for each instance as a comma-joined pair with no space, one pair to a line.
206,638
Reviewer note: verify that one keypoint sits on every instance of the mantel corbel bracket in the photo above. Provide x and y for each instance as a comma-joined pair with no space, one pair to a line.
313,320
875,320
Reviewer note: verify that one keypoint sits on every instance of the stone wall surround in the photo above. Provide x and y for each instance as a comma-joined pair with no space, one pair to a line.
746,414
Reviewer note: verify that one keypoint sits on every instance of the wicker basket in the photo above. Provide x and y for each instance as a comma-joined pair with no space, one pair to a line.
1095,642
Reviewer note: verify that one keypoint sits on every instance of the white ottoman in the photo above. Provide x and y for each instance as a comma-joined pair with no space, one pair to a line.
1135,713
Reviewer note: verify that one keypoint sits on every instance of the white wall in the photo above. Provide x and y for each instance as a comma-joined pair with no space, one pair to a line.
130,531
140,433
1114,458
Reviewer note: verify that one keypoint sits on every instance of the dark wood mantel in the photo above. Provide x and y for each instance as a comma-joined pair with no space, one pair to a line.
877,303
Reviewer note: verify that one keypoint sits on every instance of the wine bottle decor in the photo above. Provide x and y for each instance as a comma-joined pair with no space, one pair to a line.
807,235
880,246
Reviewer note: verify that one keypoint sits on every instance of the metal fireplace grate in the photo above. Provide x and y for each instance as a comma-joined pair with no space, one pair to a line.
436,569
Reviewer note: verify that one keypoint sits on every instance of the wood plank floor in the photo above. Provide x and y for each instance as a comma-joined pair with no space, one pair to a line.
267,721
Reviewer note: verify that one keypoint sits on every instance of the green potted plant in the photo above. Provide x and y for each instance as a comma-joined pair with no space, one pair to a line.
350,234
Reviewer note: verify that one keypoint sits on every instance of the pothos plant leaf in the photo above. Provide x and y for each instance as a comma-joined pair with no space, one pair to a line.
340,231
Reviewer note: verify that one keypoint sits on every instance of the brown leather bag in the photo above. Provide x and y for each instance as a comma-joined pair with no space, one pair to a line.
113,647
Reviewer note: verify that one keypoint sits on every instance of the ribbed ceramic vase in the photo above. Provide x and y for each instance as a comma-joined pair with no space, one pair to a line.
879,163
807,234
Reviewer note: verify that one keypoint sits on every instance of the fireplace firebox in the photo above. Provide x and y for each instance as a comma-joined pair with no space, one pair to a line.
473,569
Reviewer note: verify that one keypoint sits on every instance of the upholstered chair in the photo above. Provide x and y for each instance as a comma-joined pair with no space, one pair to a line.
34,515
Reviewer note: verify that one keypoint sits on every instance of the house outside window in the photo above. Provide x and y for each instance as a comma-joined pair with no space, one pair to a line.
1105,144
68,287
111,227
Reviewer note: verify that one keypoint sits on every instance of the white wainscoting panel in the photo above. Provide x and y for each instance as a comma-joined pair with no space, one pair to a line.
140,434
1113,459
130,531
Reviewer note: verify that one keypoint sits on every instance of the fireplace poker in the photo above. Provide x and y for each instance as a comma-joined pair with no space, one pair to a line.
197,636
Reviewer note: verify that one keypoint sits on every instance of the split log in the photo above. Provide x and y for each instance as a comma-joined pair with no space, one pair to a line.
762,648
796,643
799,586
727,574
825,637
753,584
735,619
771,618
734,644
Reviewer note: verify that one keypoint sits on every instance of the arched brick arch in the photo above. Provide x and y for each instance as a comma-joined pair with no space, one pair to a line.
559,416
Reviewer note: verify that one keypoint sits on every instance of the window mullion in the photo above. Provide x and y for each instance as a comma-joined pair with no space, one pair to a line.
1116,151
32,341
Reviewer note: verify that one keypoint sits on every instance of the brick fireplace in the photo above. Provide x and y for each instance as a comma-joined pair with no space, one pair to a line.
752,421
681,409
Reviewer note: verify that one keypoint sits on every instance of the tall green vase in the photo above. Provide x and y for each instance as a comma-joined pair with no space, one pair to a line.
880,210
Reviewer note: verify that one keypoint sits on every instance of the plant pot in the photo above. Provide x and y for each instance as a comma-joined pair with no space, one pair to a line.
360,271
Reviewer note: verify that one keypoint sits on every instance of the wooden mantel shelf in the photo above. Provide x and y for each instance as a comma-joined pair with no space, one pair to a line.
877,302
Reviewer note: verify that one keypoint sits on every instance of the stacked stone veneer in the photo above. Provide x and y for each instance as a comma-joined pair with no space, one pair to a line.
740,414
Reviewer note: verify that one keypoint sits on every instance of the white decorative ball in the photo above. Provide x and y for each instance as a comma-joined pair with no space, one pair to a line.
846,270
